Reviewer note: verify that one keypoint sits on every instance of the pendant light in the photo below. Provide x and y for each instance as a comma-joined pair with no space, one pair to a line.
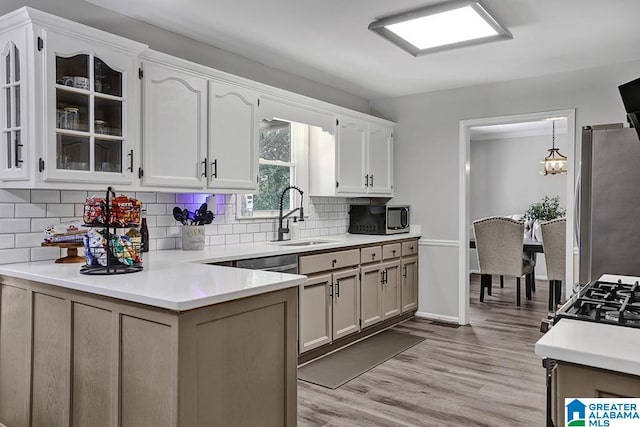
555,163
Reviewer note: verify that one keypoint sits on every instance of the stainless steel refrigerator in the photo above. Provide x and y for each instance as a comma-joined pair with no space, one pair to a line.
608,226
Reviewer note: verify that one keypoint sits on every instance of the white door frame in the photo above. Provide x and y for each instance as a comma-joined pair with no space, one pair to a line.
464,168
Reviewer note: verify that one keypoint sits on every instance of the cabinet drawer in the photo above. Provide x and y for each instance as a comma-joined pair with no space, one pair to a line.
410,248
372,254
329,261
391,251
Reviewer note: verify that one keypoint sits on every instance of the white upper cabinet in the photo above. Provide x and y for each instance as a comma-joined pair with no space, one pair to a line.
14,143
379,161
174,127
91,129
351,140
233,137
358,161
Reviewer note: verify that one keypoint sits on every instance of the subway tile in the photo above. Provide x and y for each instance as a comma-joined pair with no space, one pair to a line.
225,229
165,198
68,196
253,228
60,209
31,210
200,198
184,198
210,229
43,254
239,228
259,237
7,210
155,208
39,224
164,221
15,196
8,256
165,244
216,240
152,247
146,196
28,240
246,238
152,221
231,239
174,231
78,209
267,226
15,225
7,241
157,232
45,196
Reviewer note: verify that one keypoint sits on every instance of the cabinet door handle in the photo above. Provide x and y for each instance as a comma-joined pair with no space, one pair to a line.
404,271
337,287
214,168
130,168
371,176
330,291
204,166
366,180
18,146
386,277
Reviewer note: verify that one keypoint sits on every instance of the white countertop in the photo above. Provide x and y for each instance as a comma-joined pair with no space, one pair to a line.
594,344
180,280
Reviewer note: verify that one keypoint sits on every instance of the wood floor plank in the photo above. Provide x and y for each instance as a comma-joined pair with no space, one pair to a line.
484,374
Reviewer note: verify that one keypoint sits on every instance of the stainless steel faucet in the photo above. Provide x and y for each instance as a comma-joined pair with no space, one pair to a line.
281,229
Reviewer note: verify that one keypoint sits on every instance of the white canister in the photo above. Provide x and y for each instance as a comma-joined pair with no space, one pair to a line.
193,237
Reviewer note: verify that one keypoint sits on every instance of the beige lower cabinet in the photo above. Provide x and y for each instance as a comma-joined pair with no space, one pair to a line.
315,316
409,283
329,308
73,358
346,302
391,289
371,294
571,380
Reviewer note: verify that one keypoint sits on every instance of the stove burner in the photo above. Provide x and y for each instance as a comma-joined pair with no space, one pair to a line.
605,302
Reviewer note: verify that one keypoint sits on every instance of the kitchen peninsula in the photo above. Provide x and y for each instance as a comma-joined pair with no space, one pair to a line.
177,344
180,343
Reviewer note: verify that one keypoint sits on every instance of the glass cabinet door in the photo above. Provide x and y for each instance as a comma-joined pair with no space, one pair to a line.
11,122
88,88
89,115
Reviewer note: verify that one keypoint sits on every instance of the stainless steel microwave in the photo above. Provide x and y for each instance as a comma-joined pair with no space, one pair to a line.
378,219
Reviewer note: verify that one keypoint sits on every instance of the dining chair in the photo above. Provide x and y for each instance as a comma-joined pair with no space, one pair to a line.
499,244
554,244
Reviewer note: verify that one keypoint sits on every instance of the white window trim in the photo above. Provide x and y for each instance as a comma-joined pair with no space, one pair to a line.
300,164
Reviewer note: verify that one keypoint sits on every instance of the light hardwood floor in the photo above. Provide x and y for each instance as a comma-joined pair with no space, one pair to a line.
484,374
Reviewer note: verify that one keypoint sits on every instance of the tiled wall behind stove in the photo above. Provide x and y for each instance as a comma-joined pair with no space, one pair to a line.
24,214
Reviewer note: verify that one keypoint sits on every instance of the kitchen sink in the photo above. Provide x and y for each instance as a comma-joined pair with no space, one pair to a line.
306,243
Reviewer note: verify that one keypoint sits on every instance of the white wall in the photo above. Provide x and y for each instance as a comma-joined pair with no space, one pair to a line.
504,179
426,149
182,47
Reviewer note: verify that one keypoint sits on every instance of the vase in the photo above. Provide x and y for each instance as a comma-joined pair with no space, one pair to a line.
537,230
193,237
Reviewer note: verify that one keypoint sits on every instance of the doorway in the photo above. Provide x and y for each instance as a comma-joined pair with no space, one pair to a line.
465,196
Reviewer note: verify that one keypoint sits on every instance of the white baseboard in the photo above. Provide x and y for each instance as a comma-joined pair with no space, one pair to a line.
433,316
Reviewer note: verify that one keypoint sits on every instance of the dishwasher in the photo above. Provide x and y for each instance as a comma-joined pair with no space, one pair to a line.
279,264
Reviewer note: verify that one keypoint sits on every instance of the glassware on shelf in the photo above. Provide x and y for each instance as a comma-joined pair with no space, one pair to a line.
71,118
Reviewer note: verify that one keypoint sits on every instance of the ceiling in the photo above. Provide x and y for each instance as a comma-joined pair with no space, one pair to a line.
328,41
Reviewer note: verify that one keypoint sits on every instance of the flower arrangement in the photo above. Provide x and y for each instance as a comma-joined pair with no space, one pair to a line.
546,209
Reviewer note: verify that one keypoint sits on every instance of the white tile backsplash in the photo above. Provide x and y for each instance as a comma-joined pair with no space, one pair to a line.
24,214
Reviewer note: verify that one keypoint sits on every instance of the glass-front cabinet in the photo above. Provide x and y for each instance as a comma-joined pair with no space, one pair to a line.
89,96
13,101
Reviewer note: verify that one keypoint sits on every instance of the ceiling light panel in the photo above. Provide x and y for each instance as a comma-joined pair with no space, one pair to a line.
443,26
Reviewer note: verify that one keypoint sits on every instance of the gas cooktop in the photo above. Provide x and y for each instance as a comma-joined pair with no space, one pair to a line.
616,303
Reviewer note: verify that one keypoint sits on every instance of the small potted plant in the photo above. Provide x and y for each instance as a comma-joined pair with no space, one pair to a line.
546,209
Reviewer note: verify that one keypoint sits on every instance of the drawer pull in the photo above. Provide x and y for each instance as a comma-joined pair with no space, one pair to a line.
334,262
373,255
393,251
